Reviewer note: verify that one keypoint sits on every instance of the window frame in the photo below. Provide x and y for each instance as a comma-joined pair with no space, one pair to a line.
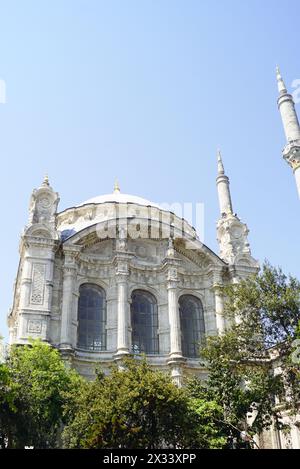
92,325
142,322
196,326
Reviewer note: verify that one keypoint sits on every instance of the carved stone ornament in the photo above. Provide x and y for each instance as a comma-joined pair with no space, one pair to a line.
43,205
121,242
38,284
172,274
233,238
34,326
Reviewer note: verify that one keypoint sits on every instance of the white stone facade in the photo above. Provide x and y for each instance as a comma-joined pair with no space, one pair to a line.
122,244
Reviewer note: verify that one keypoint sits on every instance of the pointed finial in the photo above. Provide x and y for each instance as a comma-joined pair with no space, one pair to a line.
221,169
116,186
46,181
280,82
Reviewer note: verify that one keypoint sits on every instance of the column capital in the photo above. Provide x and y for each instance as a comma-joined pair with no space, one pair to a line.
29,241
122,271
217,277
69,271
172,279
121,278
172,284
218,288
71,257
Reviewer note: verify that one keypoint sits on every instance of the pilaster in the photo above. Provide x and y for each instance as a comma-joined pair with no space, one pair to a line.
219,303
35,286
122,266
175,360
68,320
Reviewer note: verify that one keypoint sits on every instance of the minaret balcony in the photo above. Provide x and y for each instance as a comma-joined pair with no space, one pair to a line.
291,153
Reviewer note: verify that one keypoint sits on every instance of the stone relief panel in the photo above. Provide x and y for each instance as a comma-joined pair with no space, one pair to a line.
99,271
192,259
101,250
38,284
34,326
148,252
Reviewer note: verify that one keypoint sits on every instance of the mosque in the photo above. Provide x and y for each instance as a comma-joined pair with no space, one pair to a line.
119,274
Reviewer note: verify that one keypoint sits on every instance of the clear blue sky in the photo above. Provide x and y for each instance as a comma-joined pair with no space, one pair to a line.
147,90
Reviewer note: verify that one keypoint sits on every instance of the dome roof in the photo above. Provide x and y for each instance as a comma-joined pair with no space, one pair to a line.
118,197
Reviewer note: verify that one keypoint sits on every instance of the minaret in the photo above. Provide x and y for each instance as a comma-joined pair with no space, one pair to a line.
223,186
286,105
232,234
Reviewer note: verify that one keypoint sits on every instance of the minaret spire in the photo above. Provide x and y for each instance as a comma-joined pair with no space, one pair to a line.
220,164
280,82
286,105
223,186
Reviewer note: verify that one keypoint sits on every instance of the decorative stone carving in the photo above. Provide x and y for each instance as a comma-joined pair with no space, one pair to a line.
34,326
171,250
121,242
38,284
233,238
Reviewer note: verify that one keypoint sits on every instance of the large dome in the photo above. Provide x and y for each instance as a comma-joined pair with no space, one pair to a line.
102,209
118,197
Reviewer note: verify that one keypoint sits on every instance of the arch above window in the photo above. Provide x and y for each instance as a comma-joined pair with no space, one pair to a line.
192,325
144,322
91,318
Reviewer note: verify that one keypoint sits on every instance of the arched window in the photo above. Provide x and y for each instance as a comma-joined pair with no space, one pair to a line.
192,325
144,322
91,318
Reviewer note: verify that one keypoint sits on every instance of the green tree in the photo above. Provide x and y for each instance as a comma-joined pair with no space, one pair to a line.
264,313
37,381
211,431
136,407
7,407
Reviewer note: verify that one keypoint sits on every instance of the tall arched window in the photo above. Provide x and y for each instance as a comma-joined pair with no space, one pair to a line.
91,318
144,322
192,325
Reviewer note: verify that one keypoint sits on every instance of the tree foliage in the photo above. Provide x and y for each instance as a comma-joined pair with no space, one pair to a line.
138,407
135,406
263,313
34,382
